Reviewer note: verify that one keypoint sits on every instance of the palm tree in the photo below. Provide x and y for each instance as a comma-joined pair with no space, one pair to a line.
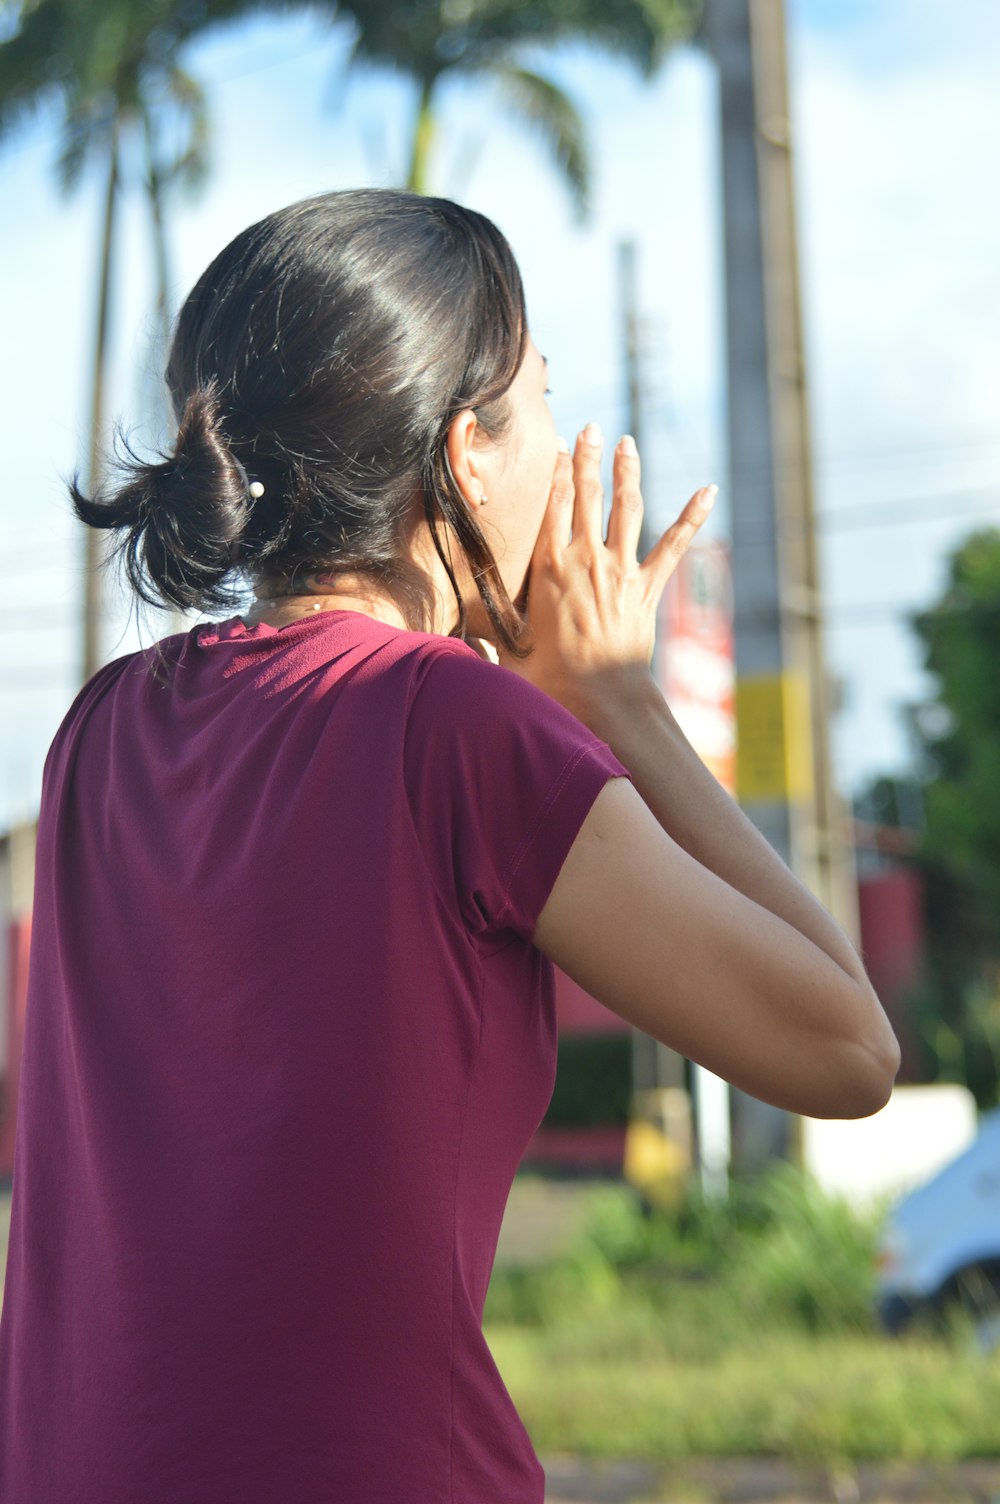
112,66
434,40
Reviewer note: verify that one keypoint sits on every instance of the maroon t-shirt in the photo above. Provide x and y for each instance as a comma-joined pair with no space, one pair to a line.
287,1039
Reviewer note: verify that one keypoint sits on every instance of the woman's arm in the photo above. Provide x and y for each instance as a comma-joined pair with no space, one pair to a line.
674,912
671,908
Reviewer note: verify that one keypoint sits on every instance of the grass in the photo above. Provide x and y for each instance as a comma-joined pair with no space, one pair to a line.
827,1400
733,1331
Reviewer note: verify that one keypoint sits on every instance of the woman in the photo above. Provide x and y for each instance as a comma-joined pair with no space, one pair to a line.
302,873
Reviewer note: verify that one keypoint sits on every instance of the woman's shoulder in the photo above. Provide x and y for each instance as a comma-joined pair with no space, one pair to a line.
444,666
454,684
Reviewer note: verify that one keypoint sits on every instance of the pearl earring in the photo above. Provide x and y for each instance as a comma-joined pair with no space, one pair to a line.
483,498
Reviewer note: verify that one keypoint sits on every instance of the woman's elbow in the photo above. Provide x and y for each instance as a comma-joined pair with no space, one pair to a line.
867,1080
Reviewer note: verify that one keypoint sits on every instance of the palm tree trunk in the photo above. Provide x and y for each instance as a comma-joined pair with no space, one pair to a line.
93,553
154,195
423,133
176,619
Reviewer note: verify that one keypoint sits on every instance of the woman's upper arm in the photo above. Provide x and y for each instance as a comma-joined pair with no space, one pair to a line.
668,945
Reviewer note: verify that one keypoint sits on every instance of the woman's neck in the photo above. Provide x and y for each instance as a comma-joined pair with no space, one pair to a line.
278,610
276,605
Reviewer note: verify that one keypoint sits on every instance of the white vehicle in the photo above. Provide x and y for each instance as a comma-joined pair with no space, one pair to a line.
941,1243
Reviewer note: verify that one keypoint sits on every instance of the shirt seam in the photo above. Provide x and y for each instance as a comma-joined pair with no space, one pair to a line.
458,924
528,841
454,1234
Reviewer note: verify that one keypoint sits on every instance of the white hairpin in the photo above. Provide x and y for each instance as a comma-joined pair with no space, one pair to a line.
256,489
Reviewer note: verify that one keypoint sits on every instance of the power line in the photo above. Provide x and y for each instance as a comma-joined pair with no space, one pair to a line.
19,617
849,615
862,615
902,508
28,551
899,448
17,681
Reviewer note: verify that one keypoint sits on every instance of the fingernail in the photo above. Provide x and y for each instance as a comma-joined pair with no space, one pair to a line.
711,492
592,434
562,445
627,445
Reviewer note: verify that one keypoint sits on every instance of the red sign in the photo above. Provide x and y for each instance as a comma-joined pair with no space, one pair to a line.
694,656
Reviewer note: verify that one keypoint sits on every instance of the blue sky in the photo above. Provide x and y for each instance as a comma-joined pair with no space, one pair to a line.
896,119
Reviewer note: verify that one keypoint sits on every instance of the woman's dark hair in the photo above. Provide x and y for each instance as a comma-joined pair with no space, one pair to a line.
323,354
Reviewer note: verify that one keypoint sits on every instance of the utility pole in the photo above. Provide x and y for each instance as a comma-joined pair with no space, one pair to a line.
93,550
629,302
783,693
632,350
654,1064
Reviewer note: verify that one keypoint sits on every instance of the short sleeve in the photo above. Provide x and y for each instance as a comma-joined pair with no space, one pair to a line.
499,778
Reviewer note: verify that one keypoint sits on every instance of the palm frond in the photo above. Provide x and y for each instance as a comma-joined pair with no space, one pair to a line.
11,14
404,38
199,18
175,122
33,63
189,167
673,22
84,134
549,111
640,31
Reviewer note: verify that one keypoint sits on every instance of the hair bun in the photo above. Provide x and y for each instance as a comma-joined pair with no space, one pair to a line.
181,519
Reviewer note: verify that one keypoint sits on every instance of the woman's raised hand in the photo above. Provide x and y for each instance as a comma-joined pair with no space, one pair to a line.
591,605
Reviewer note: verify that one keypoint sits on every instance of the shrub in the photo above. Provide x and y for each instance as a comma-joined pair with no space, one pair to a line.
593,1081
776,1250
812,1261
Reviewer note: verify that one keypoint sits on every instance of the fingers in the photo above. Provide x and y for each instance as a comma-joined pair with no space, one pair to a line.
625,522
665,554
557,523
588,504
575,509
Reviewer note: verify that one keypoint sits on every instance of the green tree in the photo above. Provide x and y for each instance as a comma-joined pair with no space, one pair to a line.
960,729
112,69
956,789
433,41
959,732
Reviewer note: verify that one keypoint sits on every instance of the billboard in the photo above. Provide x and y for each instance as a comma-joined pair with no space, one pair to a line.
694,656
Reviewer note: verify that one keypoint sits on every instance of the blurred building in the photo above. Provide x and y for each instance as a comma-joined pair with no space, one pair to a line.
586,1127
891,901
17,876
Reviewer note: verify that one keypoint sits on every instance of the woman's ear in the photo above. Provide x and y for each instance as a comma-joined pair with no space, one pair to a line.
462,458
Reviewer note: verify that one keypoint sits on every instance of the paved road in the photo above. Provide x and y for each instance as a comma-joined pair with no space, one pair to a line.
543,1216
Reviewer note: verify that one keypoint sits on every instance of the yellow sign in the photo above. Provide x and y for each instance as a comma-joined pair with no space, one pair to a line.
774,750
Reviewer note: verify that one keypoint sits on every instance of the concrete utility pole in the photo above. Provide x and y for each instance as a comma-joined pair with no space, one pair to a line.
93,545
632,352
783,693
629,302
654,1065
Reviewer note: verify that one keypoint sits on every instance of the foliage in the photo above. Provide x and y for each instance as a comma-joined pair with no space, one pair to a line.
109,63
435,40
812,1263
622,1388
960,729
959,849
113,69
593,1080
777,1249
953,802
736,1327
